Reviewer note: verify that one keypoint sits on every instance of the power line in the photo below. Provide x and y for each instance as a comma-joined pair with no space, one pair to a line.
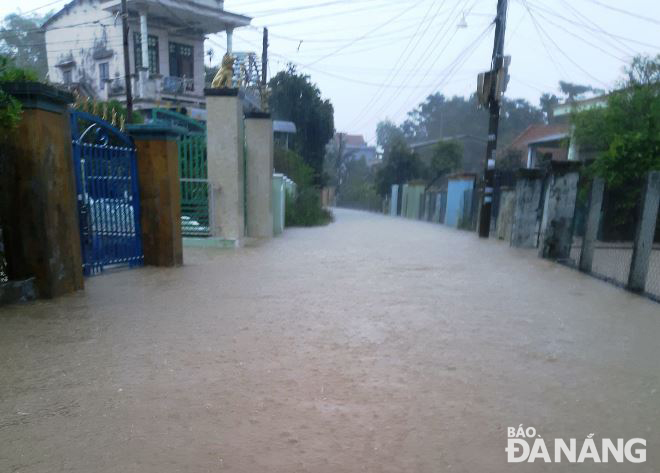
42,6
567,56
378,93
604,51
446,27
598,29
341,48
625,12
560,70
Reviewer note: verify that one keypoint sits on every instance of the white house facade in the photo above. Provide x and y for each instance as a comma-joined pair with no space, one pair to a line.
166,49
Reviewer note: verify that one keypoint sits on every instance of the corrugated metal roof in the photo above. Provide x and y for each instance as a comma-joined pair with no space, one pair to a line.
281,126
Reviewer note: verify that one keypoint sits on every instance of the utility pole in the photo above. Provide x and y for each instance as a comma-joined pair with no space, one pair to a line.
127,64
264,58
494,120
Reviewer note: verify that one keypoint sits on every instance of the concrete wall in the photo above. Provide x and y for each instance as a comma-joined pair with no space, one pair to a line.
413,194
456,188
394,200
259,139
525,228
505,214
558,210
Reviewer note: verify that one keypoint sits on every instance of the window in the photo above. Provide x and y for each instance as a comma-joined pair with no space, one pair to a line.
67,76
152,42
104,73
182,63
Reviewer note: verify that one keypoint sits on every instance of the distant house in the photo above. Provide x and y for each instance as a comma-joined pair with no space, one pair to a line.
284,132
474,151
540,143
166,49
356,148
562,114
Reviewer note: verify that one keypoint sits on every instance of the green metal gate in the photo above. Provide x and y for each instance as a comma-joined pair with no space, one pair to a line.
196,191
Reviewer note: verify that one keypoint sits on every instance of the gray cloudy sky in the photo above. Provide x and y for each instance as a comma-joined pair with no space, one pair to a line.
377,59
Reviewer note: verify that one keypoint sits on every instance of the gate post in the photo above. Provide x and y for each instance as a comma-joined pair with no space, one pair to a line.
559,209
529,194
226,165
38,202
593,222
644,232
259,140
160,194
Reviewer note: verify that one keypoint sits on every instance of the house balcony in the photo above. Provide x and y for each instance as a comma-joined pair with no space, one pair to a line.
202,16
156,89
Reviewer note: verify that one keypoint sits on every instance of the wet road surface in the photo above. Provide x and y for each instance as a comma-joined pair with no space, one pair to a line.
374,344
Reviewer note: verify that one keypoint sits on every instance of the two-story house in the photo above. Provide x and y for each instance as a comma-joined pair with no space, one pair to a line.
166,48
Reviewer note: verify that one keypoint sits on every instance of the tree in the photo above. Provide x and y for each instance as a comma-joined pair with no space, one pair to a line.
22,40
547,103
510,161
400,166
447,157
294,98
357,190
439,117
387,133
625,135
573,91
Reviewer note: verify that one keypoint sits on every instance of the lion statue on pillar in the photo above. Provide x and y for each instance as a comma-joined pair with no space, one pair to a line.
225,75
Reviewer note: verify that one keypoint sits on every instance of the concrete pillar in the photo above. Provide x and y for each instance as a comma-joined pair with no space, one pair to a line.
644,233
529,186
38,207
144,39
278,202
592,224
226,166
558,210
394,200
230,41
160,194
505,213
259,159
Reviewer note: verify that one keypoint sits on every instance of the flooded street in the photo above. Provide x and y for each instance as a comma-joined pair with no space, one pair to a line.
374,344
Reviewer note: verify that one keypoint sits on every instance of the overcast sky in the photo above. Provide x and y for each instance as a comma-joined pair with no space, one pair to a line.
377,59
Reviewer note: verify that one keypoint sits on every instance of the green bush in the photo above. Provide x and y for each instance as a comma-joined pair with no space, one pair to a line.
305,210
10,108
292,165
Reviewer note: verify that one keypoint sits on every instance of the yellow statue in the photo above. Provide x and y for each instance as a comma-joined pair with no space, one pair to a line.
224,78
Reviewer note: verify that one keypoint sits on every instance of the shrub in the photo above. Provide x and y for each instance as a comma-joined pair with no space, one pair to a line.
305,210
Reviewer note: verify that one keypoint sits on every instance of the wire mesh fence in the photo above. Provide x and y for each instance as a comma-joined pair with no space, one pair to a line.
614,244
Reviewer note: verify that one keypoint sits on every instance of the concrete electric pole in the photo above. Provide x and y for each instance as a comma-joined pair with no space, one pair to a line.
496,85
127,64
264,58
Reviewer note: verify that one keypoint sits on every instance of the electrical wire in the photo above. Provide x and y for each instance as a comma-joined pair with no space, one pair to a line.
386,84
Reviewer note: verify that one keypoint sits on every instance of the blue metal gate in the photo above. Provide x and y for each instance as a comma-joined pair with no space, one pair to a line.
107,189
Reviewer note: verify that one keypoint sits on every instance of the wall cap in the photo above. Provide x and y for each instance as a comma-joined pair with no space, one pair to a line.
224,92
37,95
258,115
155,131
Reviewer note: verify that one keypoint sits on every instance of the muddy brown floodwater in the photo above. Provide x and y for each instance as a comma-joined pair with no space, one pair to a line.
374,344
